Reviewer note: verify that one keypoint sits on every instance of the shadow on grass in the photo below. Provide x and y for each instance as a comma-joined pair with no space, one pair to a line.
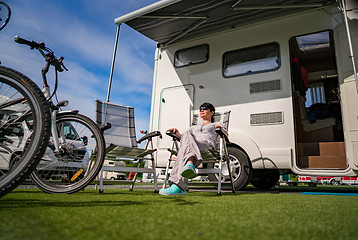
26,199
34,203
179,200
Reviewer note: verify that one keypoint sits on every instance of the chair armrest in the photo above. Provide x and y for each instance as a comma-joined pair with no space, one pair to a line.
150,135
175,137
222,133
105,126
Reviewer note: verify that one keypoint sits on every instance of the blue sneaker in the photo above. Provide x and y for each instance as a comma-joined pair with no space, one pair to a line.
188,171
174,190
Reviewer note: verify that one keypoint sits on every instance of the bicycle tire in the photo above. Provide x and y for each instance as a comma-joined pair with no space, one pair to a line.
80,159
21,148
3,23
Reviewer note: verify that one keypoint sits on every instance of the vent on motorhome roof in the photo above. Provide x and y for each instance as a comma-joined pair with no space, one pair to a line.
266,118
267,86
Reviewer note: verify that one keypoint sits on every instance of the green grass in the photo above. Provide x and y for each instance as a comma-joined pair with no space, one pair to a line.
142,214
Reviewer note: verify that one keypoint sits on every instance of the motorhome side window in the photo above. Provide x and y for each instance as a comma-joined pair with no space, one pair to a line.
190,56
257,59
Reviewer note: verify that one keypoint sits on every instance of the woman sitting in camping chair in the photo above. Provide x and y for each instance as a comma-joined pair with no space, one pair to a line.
197,138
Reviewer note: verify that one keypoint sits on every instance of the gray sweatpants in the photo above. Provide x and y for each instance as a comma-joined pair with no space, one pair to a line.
189,148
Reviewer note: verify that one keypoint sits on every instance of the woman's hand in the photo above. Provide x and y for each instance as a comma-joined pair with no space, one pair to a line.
175,131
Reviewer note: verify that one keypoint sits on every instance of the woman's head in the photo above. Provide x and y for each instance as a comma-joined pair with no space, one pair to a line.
207,110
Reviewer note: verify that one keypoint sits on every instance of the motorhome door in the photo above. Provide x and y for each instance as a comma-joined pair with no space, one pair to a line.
176,105
349,96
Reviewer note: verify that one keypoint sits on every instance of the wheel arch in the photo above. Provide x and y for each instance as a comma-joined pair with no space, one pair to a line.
246,144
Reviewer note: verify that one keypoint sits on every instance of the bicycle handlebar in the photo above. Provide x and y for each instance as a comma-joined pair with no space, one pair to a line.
49,57
31,44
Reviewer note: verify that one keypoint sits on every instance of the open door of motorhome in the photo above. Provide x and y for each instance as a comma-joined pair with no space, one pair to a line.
348,87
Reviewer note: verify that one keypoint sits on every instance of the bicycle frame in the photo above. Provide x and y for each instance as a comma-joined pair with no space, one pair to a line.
51,60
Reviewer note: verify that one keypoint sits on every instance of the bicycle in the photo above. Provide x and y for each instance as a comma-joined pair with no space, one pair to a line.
76,149
24,123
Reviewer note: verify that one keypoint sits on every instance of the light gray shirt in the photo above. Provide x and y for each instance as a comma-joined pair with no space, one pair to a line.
204,135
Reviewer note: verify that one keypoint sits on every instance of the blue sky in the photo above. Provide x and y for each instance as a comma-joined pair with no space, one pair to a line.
83,32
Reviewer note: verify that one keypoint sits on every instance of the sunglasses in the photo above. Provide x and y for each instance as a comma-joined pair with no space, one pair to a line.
203,109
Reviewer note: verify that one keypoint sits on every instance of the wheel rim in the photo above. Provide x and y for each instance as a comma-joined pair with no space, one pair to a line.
235,167
77,162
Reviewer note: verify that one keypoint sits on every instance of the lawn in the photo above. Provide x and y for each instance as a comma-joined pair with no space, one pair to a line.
142,214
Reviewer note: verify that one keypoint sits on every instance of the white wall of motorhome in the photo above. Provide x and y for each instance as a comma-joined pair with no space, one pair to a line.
178,92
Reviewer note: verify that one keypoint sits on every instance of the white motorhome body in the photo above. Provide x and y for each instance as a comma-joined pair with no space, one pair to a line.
112,175
246,62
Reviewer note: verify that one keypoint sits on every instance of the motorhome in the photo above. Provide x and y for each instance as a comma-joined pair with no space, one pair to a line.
285,69
112,175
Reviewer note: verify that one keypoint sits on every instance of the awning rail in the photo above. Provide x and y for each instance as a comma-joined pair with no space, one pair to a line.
148,9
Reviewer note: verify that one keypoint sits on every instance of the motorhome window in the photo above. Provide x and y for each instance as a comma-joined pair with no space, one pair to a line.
190,56
314,42
315,94
251,60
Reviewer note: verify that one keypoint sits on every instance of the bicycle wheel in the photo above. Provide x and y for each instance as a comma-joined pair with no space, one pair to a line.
5,14
24,127
79,159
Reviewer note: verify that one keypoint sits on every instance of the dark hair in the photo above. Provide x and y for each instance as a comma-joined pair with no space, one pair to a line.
211,107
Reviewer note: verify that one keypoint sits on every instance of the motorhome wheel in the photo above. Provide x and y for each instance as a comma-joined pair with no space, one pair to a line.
241,168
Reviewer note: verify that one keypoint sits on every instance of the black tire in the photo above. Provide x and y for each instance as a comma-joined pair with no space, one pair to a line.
241,169
334,182
79,161
21,145
5,14
265,179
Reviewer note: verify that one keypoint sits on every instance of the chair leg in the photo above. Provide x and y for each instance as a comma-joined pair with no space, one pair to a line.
219,178
101,181
229,170
134,178
156,190
166,174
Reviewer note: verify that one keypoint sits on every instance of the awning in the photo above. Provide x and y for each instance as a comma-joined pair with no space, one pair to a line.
170,21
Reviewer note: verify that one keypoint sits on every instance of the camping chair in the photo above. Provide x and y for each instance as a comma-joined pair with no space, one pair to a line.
121,143
214,157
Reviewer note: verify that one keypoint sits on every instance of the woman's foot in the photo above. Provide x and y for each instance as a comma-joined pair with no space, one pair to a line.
188,171
173,190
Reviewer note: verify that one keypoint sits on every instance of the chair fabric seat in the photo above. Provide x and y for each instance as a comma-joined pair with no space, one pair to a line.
128,152
209,155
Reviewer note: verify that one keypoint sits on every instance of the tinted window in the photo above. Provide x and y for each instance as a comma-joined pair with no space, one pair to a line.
251,60
70,132
193,55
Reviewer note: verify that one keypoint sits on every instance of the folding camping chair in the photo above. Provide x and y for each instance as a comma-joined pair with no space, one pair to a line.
121,143
214,157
